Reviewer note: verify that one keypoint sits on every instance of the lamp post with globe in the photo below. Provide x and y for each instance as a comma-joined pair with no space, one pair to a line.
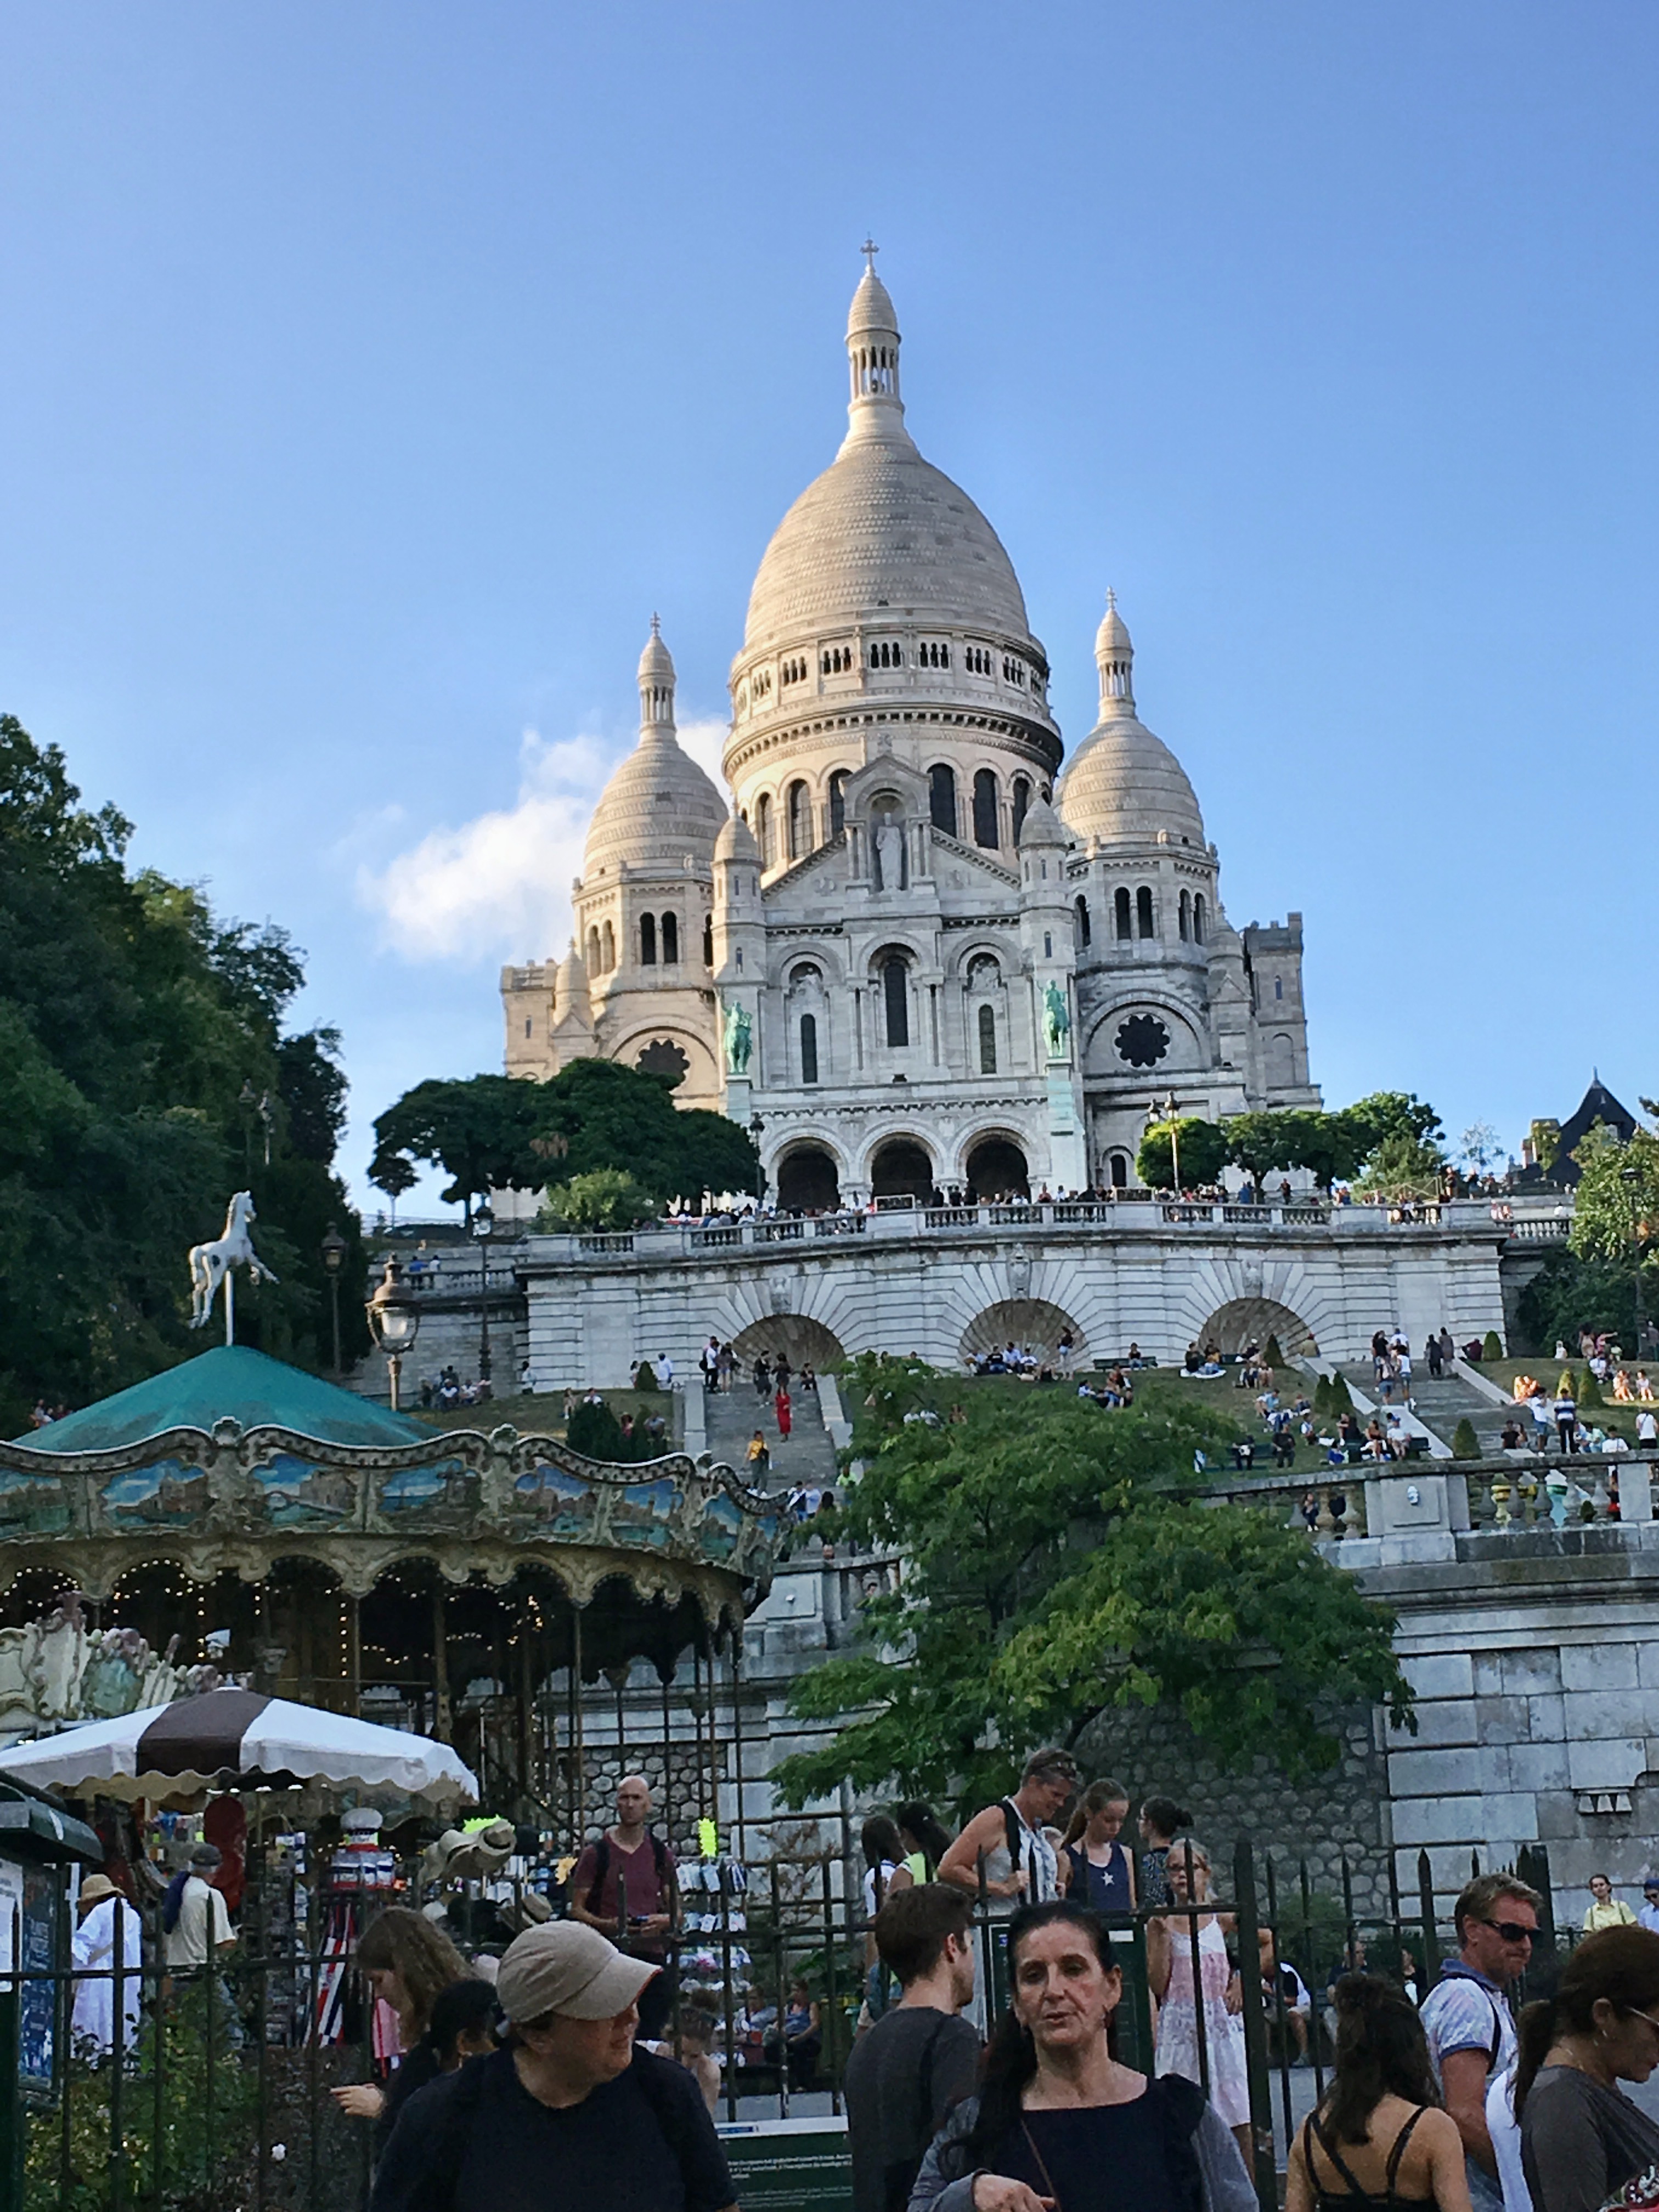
1165,1110
334,1252
392,1321
484,1228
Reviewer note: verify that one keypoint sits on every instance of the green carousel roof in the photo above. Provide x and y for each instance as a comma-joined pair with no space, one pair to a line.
233,1381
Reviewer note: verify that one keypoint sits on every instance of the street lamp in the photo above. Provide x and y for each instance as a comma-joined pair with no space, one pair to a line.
1631,1177
484,1228
1165,1109
392,1321
334,1252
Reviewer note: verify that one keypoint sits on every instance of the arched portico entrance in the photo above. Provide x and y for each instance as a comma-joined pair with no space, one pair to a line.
1253,1320
797,1337
997,1168
808,1181
1032,1325
902,1169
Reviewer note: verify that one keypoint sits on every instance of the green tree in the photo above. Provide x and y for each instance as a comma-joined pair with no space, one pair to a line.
1570,1293
1385,1114
1058,1566
1616,1207
1201,1145
1401,1167
132,1022
1465,1442
606,1199
500,1133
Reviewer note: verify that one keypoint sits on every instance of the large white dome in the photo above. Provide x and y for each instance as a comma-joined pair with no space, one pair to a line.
882,527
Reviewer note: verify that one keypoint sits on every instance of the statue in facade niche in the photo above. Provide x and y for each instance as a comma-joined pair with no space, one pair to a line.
890,855
1056,1020
739,1040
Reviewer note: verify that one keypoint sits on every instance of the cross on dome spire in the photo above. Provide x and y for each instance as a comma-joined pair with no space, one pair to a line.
869,249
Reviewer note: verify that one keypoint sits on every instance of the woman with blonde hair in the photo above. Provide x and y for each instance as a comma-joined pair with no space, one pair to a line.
1169,1971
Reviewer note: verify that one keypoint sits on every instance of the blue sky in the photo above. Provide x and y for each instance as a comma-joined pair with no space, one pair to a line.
371,373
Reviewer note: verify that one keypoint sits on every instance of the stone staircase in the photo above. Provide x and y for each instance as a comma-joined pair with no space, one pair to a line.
731,1417
1440,1404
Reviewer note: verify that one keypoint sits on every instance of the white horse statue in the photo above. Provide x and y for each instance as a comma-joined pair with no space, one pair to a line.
211,1264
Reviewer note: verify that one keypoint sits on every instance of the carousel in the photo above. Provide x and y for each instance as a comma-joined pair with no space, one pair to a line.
235,1518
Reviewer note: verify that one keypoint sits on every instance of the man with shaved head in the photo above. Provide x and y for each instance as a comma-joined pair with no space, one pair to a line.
625,1885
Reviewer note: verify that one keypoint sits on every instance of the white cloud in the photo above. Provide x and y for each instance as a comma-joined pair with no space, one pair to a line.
498,886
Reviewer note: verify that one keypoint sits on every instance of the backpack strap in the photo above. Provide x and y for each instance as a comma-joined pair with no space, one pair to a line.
601,1868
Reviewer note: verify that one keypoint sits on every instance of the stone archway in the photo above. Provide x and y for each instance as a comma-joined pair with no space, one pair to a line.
794,1335
902,1169
1033,1324
808,1181
1253,1320
996,1169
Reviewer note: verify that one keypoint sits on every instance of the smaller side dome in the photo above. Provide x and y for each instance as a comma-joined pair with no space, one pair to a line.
1041,826
737,841
872,307
1123,786
570,993
659,808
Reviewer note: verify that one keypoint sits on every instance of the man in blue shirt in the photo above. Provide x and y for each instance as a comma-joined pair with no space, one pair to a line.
1466,2017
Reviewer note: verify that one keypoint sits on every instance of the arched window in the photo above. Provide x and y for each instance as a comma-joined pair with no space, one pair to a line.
942,798
1144,922
1082,931
609,961
985,809
764,829
1186,916
670,937
895,994
1022,801
1120,907
1198,918
708,941
1120,1171
987,1040
801,822
837,802
593,968
1278,987
809,1047
648,940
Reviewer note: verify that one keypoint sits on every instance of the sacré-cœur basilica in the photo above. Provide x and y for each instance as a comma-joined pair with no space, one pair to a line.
923,952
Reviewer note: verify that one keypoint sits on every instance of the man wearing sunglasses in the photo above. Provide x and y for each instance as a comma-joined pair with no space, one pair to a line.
1466,2017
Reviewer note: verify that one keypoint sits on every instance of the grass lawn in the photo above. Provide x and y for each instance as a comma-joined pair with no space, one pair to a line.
1617,1420
1236,1408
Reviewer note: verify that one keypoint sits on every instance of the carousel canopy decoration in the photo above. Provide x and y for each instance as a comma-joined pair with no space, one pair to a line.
234,1459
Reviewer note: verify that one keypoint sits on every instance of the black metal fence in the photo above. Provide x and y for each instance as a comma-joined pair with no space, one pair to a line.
149,2091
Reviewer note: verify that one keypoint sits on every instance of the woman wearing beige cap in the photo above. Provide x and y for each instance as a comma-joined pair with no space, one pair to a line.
572,2112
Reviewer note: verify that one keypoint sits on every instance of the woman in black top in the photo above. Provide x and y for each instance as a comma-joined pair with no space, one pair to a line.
1581,2139
1059,2125
1378,2142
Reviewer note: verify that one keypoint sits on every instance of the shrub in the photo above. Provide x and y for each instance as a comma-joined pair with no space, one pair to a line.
1274,1355
1568,1386
1340,1399
1589,1393
645,1377
1465,1442
1491,1345
596,1433
1322,1396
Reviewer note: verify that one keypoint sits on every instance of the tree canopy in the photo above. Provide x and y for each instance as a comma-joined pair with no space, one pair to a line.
143,1062
509,1133
1058,1565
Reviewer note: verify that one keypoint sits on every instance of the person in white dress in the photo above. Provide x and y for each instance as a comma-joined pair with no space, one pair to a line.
1169,1971
107,1920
